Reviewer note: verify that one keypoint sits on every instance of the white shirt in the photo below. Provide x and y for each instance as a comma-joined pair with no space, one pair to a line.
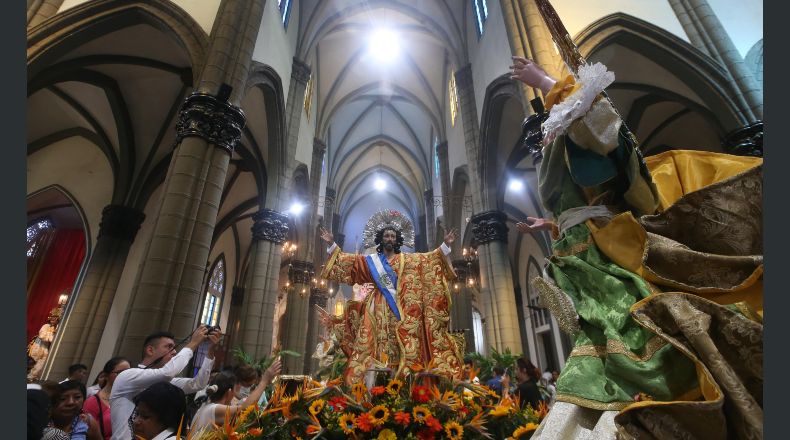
205,417
164,434
130,382
91,390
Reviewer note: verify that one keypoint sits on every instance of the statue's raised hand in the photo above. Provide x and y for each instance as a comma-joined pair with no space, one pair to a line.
531,74
450,237
534,224
327,236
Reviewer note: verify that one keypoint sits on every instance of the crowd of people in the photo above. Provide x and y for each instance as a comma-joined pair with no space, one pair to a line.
147,401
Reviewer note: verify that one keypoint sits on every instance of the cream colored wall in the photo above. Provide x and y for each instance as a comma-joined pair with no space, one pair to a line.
490,55
81,169
276,45
120,304
202,11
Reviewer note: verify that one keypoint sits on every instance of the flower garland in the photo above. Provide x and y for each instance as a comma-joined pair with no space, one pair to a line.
420,407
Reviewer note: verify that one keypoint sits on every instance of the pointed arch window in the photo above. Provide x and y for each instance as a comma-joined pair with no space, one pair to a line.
285,10
477,328
481,14
215,291
35,234
453,95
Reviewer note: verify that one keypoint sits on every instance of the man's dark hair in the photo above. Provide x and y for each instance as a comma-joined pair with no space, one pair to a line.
498,370
110,365
154,337
469,361
76,367
380,237
165,400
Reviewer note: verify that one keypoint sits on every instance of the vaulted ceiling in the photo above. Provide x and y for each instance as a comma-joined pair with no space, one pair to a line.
379,115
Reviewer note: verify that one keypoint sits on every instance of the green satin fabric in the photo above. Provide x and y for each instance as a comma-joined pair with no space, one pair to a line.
602,293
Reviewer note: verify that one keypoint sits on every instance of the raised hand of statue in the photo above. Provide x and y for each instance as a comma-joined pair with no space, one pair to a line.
534,224
327,236
531,74
450,237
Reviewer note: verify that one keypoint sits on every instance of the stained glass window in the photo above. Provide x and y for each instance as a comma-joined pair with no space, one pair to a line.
308,96
477,328
481,14
214,293
34,233
453,94
285,10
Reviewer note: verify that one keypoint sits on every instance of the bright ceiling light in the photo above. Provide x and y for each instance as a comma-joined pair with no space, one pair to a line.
296,208
515,185
384,45
380,184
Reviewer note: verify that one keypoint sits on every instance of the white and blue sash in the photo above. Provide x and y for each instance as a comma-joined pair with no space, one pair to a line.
385,279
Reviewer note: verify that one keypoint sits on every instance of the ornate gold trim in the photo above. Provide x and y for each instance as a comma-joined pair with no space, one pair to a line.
748,312
331,263
594,404
575,249
614,346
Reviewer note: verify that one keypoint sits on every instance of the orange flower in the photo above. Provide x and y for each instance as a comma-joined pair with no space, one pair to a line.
313,429
421,394
377,391
364,422
255,431
394,387
402,418
378,415
426,434
338,403
433,423
347,423
454,431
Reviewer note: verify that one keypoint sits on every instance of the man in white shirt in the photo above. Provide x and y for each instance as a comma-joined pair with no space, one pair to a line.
158,365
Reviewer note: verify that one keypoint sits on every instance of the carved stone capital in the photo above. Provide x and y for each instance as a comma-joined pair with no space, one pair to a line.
318,297
300,71
237,297
207,117
301,272
319,147
745,141
489,226
122,222
270,225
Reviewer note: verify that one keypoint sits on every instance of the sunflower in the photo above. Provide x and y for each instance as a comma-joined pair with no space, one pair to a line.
358,390
346,423
378,415
316,407
524,430
501,410
394,387
420,413
454,431
387,434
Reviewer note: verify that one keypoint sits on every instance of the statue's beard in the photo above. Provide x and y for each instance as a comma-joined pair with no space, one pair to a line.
389,246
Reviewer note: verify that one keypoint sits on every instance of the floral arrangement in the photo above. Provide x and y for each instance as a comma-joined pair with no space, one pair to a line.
420,406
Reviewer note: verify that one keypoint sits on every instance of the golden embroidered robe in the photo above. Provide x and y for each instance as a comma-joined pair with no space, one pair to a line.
369,333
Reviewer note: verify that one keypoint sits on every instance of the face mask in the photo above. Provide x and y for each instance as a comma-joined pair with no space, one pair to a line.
243,392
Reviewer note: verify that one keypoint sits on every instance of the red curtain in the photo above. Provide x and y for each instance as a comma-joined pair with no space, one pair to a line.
58,272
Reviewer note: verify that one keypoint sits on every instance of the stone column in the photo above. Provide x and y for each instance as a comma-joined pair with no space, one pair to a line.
444,179
300,74
461,311
168,290
294,334
40,10
496,282
707,33
430,219
318,298
466,100
82,329
269,232
235,313
319,149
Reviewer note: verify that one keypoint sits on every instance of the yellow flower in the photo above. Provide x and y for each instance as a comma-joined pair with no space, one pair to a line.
387,434
247,411
523,430
378,415
454,431
394,387
358,390
316,407
501,410
346,423
420,413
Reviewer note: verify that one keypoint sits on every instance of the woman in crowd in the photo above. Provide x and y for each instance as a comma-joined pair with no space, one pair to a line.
656,272
527,390
98,405
221,392
159,412
67,421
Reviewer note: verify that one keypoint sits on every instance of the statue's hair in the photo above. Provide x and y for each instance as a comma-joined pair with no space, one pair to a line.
380,237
